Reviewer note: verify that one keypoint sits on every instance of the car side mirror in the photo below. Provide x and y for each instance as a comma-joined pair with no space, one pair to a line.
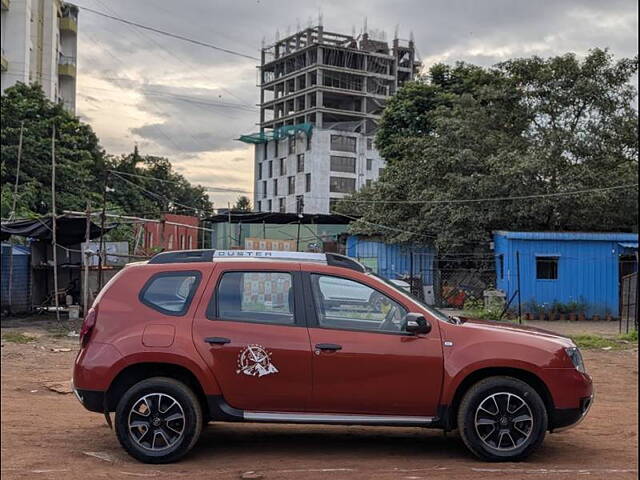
415,323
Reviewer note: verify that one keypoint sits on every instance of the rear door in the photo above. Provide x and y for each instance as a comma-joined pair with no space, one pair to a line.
251,331
364,362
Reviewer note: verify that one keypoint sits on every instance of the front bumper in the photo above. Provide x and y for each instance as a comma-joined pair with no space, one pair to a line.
565,418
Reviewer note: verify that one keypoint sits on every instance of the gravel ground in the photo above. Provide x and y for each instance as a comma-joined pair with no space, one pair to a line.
48,435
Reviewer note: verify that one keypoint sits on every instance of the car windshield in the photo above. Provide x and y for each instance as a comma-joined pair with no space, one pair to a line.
436,313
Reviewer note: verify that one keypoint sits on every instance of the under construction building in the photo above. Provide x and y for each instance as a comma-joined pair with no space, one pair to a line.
321,97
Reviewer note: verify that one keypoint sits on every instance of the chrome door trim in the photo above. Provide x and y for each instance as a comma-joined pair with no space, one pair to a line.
339,419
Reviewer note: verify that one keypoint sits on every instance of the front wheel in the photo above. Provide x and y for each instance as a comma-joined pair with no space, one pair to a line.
502,419
158,420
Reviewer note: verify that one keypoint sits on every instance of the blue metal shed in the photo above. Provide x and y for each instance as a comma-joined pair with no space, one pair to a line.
392,261
18,300
566,268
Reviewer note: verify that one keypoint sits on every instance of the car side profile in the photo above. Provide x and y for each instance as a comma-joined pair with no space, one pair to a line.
201,336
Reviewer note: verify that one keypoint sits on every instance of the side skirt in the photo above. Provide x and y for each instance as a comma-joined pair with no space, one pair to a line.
222,411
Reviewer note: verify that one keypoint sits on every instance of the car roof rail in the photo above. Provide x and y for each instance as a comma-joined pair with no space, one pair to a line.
191,256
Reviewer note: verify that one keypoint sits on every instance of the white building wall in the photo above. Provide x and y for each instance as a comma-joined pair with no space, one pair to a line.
317,163
32,43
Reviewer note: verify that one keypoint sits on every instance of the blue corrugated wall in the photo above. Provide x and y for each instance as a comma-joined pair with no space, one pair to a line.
390,260
20,301
588,268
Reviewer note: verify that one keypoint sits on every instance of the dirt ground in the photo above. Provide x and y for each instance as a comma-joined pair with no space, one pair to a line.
48,435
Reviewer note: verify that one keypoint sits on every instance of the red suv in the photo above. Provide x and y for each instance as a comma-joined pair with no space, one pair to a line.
247,336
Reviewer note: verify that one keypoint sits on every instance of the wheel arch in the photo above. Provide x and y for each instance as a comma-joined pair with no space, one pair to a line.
449,413
136,372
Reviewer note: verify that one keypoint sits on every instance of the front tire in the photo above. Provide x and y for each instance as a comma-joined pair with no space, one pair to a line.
158,420
502,419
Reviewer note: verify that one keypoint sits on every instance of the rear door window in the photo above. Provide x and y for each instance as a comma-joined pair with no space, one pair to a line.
260,297
170,292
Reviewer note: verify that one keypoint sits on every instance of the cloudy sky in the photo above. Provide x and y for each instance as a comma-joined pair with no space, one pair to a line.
189,103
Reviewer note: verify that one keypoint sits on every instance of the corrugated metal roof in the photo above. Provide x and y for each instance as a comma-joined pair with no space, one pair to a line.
606,236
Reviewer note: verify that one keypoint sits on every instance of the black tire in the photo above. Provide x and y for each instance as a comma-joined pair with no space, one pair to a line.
172,436
505,396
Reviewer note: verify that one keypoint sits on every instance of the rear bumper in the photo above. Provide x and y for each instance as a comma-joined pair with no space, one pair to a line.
92,400
565,418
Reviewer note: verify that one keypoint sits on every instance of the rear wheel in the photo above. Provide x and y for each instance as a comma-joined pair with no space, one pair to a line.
158,420
502,419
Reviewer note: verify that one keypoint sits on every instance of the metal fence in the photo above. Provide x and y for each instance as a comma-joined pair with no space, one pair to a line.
629,303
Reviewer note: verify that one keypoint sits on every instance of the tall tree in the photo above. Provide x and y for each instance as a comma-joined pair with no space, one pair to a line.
78,154
243,204
525,127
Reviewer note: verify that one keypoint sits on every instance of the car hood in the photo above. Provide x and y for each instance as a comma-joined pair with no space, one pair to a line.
508,327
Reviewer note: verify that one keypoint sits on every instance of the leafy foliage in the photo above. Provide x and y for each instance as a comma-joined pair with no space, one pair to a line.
525,127
243,204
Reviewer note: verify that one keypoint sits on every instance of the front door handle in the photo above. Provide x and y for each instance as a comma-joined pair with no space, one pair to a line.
217,340
333,347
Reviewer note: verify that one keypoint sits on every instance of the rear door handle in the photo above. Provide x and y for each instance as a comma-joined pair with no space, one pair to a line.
217,340
333,347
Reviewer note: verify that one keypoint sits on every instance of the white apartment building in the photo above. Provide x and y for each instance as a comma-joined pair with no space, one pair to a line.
39,45
321,97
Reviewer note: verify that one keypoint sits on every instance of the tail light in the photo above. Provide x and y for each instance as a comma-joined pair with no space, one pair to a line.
87,325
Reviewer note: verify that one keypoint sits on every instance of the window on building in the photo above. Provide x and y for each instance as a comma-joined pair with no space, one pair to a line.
292,144
332,204
281,207
275,187
369,164
346,304
190,242
307,182
270,168
300,204
292,185
269,205
368,182
182,242
309,140
369,143
342,185
260,171
300,163
501,266
547,268
259,205
275,148
264,188
380,172
265,147
283,166
263,297
343,164
170,292
343,143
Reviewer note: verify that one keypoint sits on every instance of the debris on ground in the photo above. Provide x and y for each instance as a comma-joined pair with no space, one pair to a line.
251,475
58,387
59,350
101,455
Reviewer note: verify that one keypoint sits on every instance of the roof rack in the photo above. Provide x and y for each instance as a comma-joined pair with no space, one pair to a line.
191,256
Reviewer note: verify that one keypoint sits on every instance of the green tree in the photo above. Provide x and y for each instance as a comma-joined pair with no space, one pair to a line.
243,204
78,154
525,127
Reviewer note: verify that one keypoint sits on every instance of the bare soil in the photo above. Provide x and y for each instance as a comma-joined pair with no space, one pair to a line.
48,435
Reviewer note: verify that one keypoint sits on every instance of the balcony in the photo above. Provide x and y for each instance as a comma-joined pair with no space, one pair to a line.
69,19
67,66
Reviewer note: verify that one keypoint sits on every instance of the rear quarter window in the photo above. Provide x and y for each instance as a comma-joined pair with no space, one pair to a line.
170,292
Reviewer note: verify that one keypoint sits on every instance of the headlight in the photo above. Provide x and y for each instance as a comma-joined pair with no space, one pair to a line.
576,358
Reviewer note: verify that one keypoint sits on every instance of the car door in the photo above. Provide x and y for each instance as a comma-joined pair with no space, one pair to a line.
253,336
363,362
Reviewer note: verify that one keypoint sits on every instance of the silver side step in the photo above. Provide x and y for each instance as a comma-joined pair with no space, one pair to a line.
337,419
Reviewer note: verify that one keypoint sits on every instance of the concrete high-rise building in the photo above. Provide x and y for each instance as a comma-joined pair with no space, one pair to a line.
39,45
321,97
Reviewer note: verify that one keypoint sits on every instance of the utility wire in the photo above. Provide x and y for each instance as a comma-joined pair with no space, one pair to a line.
169,34
208,188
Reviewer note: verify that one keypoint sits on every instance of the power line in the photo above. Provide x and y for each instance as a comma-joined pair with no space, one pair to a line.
208,188
495,199
169,34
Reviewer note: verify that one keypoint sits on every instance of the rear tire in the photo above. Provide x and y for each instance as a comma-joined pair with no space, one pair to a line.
502,419
158,420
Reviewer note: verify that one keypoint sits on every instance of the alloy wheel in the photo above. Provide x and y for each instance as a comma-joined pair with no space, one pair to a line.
156,421
503,421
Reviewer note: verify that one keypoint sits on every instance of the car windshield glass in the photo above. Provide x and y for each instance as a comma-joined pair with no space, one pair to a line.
436,313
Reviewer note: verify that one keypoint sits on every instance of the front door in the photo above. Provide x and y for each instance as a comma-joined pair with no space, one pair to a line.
363,362
252,334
